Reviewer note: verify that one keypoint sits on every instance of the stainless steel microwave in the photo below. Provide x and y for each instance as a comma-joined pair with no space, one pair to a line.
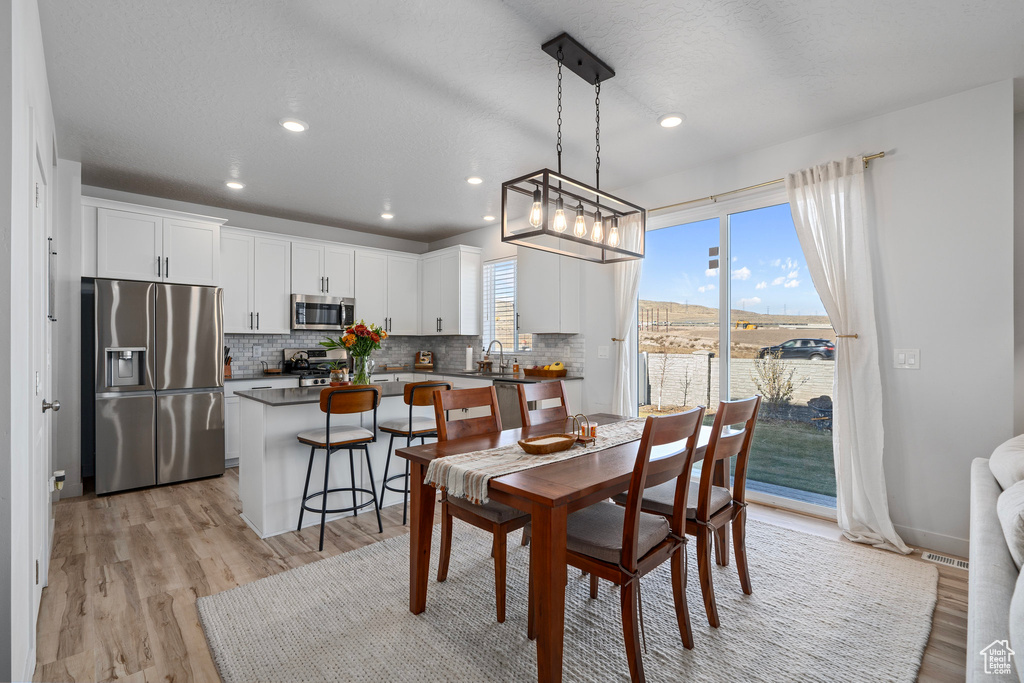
311,312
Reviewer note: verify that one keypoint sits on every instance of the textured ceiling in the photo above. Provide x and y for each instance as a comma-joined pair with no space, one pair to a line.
406,99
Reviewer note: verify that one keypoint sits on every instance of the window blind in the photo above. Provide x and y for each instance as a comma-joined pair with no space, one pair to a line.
499,316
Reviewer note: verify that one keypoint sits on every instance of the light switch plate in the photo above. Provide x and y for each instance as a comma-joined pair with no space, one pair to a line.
906,359
602,351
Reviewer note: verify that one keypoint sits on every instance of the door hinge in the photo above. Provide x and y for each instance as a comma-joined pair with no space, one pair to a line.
37,572
37,206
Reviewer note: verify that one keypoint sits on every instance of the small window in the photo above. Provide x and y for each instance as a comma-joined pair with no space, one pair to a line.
500,307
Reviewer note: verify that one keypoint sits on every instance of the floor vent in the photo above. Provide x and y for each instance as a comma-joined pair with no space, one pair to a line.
942,559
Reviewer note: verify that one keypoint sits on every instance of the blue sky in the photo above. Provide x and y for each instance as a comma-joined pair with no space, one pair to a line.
768,272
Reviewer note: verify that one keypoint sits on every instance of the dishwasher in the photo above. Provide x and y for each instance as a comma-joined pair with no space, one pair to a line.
508,403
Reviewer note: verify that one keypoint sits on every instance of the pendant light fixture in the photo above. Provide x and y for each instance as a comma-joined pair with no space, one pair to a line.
539,222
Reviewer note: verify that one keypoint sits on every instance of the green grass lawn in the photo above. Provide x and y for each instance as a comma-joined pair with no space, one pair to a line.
793,454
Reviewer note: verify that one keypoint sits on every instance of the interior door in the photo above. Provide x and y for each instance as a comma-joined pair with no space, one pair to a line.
40,497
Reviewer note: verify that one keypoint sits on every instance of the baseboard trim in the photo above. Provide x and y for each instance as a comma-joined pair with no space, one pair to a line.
230,462
72,490
930,540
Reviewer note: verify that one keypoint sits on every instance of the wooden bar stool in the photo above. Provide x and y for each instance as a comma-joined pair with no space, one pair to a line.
417,427
342,401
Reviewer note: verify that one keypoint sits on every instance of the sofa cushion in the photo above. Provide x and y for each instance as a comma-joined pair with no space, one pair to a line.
1017,625
1007,462
1010,509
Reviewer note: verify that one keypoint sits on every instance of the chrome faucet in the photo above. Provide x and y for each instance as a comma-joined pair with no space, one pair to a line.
502,365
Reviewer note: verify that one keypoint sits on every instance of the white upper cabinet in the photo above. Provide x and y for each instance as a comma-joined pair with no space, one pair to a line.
450,292
256,277
547,292
141,243
339,270
237,263
308,268
371,286
323,269
272,297
129,245
191,252
403,294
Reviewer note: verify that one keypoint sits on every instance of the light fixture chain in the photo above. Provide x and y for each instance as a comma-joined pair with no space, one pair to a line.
597,134
559,145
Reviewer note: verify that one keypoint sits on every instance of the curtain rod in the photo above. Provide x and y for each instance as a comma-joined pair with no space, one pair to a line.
714,197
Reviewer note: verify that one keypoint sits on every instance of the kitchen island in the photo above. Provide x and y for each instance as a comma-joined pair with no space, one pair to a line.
272,463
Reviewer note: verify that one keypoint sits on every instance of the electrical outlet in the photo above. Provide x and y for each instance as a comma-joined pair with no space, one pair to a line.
257,351
602,351
906,359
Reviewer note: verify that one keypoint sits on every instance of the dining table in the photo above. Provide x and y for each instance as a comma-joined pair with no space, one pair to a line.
550,493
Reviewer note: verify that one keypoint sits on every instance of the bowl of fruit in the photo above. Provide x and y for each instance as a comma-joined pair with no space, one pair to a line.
552,370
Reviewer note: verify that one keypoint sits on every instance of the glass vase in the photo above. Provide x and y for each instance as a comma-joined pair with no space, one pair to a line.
362,369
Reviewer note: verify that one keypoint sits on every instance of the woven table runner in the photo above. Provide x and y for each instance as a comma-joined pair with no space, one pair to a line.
467,475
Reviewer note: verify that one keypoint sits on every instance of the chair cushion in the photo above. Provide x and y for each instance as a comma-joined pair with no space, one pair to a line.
596,531
1010,509
499,513
1007,462
660,499
339,435
401,425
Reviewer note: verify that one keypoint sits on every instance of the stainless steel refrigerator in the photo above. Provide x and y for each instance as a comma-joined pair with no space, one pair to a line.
159,372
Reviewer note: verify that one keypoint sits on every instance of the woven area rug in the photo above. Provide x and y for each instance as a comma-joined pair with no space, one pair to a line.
822,610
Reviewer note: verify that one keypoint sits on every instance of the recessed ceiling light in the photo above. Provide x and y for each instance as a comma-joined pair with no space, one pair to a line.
294,125
474,180
235,185
387,216
671,120
488,218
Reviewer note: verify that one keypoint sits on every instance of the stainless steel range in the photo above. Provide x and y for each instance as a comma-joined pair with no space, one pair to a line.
318,371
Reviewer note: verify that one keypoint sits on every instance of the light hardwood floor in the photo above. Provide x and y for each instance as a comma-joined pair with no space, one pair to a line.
127,569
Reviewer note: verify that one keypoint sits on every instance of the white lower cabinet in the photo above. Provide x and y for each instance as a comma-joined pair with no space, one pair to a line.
232,410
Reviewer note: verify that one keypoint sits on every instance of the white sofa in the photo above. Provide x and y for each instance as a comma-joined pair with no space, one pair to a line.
995,607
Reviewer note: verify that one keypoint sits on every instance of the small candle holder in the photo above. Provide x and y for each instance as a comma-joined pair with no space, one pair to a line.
584,430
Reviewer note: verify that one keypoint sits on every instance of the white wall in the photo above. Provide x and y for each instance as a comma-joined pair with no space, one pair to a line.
942,220
252,221
1018,273
26,100
67,356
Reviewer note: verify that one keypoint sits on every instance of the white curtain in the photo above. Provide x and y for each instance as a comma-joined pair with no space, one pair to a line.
829,210
627,288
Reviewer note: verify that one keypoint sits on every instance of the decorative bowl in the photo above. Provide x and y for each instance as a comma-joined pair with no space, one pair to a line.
551,443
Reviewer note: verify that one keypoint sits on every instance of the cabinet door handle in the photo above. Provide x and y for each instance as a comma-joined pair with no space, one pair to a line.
321,285
159,272
250,320
167,266
328,284
517,321
257,321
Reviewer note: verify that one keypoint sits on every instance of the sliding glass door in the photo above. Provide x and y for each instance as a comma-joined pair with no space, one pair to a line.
753,325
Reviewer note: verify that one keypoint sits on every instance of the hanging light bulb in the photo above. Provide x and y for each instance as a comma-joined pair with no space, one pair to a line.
613,234
536,211
559,223
579,228
598,233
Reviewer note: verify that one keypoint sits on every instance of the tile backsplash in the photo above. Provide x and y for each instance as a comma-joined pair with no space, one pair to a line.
449,350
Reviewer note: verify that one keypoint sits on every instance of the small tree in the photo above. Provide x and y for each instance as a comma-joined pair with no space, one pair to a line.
686,382
774,381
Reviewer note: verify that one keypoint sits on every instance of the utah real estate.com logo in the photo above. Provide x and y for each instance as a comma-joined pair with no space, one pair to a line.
998,657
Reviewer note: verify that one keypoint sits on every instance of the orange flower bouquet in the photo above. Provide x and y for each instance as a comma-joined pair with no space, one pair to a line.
360,340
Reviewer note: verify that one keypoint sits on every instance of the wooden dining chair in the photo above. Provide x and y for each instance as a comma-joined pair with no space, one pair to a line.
543,391
622,543
712,507
492,516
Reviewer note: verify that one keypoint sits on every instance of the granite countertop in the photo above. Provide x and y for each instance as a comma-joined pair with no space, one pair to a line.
256,374
303,395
